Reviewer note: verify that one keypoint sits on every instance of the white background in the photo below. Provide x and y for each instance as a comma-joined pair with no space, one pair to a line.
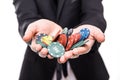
12,47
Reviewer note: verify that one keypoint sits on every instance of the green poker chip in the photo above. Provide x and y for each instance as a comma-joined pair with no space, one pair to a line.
78,44
42,44
65,30
56,50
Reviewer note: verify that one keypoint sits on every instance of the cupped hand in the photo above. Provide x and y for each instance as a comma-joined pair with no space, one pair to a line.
95,34
41,26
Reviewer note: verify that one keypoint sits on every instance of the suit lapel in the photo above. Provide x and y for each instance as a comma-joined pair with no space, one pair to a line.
60,7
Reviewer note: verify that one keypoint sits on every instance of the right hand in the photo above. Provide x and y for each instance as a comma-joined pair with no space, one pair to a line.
41,26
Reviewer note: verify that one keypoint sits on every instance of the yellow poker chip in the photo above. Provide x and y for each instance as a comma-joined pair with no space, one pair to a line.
47,39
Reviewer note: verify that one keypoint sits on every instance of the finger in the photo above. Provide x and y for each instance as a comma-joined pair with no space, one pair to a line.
38,47
62,59
30,32
83,49
55,33
80,50
99,35
49,56
75,56
58,60
68,54
35,47
41,55
44,52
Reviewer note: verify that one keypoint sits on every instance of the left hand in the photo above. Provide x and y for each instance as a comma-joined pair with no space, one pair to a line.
95,34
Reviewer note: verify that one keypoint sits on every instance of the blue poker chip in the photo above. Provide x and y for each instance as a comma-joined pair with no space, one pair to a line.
85,32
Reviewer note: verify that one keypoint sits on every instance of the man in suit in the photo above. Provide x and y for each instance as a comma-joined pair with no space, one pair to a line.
50,17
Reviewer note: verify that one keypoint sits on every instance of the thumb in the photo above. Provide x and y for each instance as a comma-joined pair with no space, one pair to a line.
55,33
30,32
99,35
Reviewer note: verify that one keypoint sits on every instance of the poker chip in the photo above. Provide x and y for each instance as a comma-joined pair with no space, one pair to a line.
55,49
79,44
77,37
65,30
70,42
42,44
62,39
64,42
38,39
70,31
84,33
46,39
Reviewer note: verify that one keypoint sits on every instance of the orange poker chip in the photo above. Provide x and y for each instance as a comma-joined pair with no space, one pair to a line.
77,37
70,42
62,39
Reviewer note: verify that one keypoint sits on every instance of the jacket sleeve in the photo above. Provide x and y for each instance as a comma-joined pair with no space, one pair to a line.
26,11
92,13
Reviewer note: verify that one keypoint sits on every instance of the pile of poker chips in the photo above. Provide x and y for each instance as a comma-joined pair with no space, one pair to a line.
55,49
64,42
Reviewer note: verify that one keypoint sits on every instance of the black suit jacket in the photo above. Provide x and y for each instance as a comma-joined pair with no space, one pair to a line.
67,13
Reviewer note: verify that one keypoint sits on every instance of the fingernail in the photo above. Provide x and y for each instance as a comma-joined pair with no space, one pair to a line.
41,55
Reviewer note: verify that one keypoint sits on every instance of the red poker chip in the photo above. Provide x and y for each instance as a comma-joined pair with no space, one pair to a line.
62,39
70,42
77,37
